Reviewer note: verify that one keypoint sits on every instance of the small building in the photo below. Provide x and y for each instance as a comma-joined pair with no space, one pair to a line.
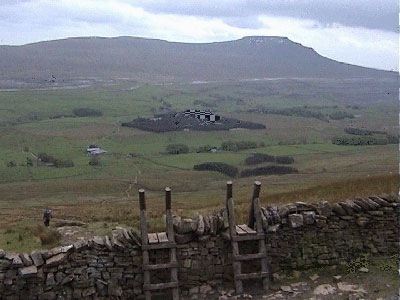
94,150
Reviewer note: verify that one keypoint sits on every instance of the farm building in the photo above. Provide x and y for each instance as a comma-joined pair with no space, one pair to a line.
94,150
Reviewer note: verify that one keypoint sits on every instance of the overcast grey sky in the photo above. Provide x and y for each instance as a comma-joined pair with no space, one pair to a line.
362,32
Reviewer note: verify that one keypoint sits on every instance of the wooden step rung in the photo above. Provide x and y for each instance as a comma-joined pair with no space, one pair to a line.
248,237
162,237
160,286
249,256
247,229
251,275
240,231
153,239
160,266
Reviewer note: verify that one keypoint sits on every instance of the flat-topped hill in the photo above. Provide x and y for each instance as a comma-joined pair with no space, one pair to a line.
158,60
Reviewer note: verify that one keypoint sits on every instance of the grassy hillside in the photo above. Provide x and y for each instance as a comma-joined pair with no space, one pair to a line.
43,121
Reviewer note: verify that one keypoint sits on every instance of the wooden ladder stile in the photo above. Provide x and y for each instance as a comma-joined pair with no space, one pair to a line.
243,233
155,241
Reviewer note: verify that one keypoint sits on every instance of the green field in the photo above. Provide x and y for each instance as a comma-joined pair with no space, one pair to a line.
137,158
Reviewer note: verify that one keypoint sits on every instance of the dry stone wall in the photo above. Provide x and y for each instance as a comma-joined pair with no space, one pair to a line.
298,235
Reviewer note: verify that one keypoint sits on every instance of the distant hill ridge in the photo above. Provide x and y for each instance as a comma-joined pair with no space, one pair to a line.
158,60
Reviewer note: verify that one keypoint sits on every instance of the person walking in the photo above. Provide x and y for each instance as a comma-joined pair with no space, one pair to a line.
47,215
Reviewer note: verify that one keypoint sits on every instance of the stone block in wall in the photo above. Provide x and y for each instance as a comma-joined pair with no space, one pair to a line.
114,290
390,197
200,225
26,260
349,211
88,291
338,210
324,208
77,294
183,226
354,206
275,214
57,250
4,264
15,259
373,204
302,206
273,228
320,221
116,244
56,259
107,243
213,225
287,209
379,201
27,271
50,281
48,296
207,225
361,204
388,210
98,240
309,217
295,220
376,213
184,238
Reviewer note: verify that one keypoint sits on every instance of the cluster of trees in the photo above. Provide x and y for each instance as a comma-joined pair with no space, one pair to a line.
304,112
340,115
268,170
368,138
221,167
232,171
392,139
258,158
58,163
177,149
358,131
11,164
237,146
87,112
360,140
226,146
353,106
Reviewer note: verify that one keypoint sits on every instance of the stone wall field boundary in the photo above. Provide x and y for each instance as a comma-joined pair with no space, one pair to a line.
298,236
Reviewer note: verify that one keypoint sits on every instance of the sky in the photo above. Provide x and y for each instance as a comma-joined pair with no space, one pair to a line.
360,32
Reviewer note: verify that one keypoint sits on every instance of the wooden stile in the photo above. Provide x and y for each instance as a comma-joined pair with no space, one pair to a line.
154,241
242,233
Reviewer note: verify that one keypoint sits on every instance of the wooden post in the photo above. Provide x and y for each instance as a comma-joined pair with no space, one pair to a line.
145,240
228,190
261,243
231,209
171,239
237,265
168,213
143,221
256,194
